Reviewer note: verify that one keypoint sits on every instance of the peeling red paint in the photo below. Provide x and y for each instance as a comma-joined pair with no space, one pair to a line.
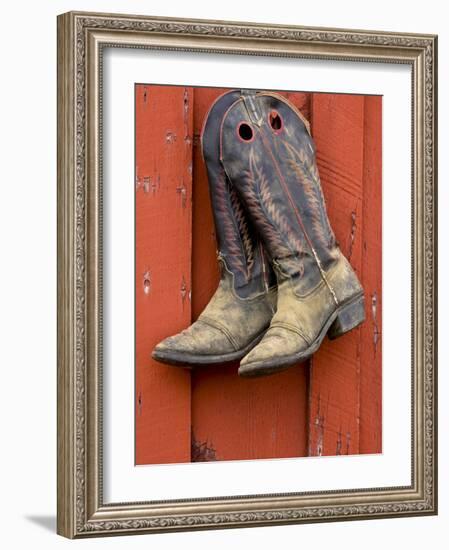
339,443
348,442
376,332
146,282
146,184
352,234
170,137
181,190
319,426
183,290
139,402
203,451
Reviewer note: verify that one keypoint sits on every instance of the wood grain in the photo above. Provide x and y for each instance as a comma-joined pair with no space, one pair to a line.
236,418
334,393
163,265
371,331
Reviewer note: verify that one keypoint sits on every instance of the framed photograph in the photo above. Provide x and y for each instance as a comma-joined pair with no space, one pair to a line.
246,274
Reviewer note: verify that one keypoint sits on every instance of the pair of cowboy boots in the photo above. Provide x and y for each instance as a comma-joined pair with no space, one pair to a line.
284,282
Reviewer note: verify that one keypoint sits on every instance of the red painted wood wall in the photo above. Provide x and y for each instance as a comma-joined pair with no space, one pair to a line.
331,404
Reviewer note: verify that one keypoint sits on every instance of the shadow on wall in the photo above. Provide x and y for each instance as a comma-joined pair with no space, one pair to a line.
46,522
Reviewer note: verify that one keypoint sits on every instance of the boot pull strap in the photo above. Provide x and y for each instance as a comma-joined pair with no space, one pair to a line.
253,111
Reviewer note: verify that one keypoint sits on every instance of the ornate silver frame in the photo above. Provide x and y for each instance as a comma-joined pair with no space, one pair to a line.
81,38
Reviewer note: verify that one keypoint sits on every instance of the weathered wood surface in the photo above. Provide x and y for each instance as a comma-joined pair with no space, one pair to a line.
327,406
345,378
163,267
334,392
371,331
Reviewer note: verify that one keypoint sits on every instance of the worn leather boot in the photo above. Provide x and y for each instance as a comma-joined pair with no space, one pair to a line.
269,156
241,309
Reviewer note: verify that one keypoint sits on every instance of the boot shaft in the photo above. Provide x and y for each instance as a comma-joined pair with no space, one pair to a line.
240,250
267,152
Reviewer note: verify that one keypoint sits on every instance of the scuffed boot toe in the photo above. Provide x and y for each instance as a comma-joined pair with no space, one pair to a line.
279,349
201,343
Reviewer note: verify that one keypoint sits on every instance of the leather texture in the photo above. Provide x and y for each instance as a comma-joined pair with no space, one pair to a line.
225,331
238,245
269,156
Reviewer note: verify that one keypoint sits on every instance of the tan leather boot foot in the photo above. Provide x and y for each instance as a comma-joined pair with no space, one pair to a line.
301,322
226,331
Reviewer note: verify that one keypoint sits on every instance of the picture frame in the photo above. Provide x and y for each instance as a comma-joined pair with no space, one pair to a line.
82,40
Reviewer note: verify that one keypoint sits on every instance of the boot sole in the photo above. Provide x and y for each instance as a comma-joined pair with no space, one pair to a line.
347,317
188,360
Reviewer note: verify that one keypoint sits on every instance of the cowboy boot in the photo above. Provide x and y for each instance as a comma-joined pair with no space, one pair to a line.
269,155
241,309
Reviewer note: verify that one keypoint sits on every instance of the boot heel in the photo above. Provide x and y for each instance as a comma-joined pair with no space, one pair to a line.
348,317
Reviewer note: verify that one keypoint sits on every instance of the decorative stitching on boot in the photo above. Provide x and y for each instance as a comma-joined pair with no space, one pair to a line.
290,104
257,196
240,216
221,328
291,328
307,172
236,256
296,212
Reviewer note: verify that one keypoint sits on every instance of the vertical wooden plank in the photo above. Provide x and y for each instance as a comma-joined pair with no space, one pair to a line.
163,266
334,393
371,348
237,418
234,418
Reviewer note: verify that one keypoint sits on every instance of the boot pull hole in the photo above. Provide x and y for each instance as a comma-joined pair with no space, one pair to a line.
245,131
275,121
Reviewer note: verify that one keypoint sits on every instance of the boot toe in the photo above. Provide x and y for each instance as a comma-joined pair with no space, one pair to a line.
277,350
195,343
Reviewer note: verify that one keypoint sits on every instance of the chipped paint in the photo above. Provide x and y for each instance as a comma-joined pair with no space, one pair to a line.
187,127
182,190
183,290
146,282
348,442
186,108
202,451
319,426
157,209
170,137
352,234
146,184
339,443
139,403
156,184
376,332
